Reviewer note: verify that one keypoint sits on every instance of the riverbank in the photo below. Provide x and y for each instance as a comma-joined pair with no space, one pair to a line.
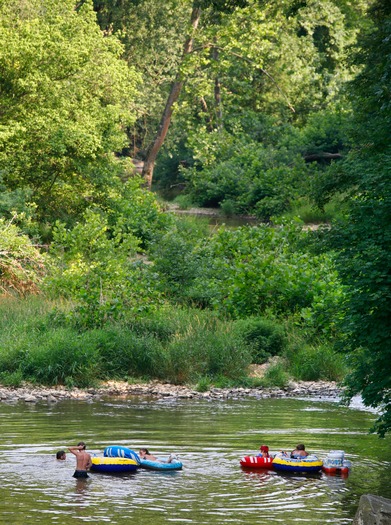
33,394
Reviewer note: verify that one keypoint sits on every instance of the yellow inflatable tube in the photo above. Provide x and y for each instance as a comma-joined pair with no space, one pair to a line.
309,464
111,465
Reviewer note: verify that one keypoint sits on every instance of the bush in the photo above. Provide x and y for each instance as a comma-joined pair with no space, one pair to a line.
266,338
276,375
313,363
62,357
206,353
22,266
124,353
184,201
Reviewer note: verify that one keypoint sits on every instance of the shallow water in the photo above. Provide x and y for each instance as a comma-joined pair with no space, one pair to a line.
210,438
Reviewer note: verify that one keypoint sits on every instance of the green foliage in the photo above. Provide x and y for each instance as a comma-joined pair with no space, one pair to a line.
67,97
38,347
22,267
136,211
362,240
253,270
98,268
276,376
62,358
246,176
184,201
124,354
203,352
174,257
266,338
204,384
314,363
311,213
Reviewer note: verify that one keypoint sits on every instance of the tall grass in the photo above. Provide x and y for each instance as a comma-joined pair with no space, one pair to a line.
312,363
38,344
180,345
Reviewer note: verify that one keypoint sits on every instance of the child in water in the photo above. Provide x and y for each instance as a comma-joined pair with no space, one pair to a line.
264,451
144,454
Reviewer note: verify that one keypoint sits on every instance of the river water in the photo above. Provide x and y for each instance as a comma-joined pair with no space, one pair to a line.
210,438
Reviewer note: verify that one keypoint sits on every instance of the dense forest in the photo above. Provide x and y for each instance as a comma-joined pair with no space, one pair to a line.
112,110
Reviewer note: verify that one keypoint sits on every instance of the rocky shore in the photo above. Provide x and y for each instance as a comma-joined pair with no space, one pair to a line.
157,390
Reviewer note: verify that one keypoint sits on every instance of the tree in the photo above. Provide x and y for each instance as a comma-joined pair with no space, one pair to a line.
66,97
363,239
176,87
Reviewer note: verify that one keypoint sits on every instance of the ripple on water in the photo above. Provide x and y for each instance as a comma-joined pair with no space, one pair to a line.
209,437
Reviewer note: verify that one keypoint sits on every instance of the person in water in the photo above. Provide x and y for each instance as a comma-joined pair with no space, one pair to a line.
264,451
60,455
144,454
83,460
299,452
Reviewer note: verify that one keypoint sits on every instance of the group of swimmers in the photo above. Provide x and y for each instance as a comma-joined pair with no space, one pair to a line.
83,459
297,453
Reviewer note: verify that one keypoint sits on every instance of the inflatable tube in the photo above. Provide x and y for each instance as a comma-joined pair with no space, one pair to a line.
344,470
115,451
309,464
257,462
335,463
113,465
158,465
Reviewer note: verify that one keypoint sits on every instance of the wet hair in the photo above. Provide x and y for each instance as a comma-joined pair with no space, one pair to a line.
300,447
82,444
60,454
145,450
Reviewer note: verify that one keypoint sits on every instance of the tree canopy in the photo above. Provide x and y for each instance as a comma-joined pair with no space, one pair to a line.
66,99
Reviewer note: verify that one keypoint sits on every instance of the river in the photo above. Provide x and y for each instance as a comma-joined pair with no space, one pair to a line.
210,438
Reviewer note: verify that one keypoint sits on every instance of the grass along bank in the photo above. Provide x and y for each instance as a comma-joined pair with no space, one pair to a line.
39,344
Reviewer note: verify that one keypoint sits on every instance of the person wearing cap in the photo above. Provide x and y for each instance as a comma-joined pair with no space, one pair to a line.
264,451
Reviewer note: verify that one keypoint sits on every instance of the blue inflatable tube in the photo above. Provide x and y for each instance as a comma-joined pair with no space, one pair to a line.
116,451
158,465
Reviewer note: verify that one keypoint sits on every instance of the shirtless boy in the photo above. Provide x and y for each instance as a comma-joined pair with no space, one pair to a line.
83,460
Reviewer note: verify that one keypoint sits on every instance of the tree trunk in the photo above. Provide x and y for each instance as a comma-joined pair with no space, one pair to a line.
217,94
165,121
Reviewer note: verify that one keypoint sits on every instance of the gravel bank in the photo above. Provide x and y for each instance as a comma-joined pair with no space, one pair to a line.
154,389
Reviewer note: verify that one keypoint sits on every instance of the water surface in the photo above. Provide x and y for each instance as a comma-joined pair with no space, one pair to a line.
210,438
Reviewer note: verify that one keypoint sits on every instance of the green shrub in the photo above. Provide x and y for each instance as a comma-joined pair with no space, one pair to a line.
313,363
124,353
206,353
204,384
276,375
184,201
169,321
55,357
12,379
228,207
266,338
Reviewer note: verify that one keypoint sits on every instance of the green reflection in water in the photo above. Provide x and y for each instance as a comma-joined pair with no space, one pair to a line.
210,438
